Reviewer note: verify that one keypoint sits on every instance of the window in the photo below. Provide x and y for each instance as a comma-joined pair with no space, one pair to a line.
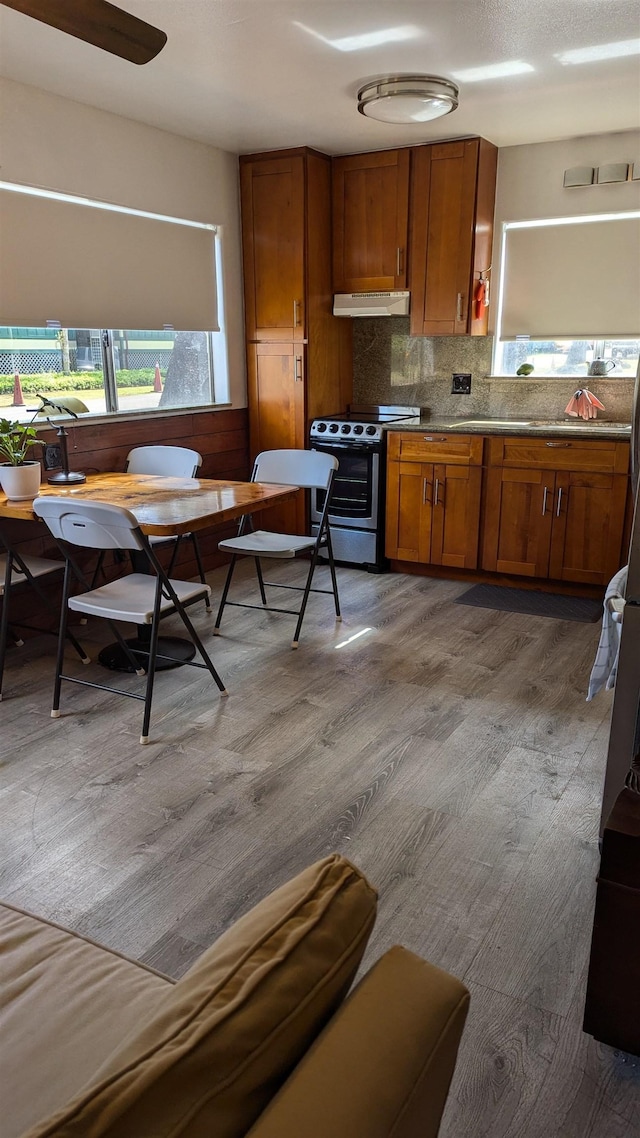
567,357
111,370
102,263
569,294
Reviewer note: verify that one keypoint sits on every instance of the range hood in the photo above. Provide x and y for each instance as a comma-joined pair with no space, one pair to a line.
371,304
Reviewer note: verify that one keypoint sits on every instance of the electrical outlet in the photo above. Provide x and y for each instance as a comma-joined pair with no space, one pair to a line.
461,383
52,457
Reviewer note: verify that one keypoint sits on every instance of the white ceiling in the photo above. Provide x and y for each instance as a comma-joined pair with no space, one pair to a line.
258,74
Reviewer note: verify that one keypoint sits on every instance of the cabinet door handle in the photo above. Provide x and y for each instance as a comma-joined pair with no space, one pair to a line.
425,489
559,446
436,493
460,308
544,500
296,313
298,371
399,260
559,501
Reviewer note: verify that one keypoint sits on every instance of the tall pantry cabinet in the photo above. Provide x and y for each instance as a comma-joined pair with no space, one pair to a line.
298,353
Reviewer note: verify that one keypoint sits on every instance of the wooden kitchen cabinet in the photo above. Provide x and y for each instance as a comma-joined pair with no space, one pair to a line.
298,354
433,508
452,205
370,221
588,520
275,375
545,519
273,236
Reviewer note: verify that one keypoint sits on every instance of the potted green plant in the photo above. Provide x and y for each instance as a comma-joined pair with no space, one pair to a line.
19,475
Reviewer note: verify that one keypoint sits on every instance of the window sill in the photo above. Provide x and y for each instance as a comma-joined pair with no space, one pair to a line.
557,378
127,416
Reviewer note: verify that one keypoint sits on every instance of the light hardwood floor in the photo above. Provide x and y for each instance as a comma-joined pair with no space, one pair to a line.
448,751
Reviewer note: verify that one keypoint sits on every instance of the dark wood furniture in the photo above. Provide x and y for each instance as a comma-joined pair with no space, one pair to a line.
452,205
612,1006
370,221
298,353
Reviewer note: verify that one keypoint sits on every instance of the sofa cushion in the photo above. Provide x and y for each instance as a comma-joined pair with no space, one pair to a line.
65,1005
228,1034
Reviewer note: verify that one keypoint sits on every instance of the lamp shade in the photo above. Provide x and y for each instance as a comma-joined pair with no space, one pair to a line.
408,98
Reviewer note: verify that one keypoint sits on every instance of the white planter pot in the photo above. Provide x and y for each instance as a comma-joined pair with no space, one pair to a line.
21,483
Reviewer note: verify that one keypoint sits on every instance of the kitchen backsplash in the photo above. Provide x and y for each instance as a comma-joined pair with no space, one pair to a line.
390,366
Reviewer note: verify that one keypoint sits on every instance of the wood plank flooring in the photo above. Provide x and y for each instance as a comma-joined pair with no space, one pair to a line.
447,750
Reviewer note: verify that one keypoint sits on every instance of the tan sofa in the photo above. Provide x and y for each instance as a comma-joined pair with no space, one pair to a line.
256,1039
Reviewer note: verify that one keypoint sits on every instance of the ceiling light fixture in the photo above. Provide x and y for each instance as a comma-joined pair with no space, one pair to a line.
408,98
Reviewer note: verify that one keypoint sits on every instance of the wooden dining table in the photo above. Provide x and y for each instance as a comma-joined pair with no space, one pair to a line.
162,507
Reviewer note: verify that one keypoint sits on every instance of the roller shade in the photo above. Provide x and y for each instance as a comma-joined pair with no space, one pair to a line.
572,281
90,267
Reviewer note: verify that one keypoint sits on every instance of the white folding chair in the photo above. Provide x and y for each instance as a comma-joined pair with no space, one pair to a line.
307,469
170,462
138,598
16,570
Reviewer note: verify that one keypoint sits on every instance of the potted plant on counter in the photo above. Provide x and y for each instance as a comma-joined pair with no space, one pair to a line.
19,475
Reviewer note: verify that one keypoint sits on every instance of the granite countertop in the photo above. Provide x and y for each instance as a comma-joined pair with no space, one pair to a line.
474,425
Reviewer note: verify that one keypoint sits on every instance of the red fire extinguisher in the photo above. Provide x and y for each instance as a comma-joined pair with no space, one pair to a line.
481,297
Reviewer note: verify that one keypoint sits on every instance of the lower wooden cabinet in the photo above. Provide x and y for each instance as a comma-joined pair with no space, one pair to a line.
518,513
566,525
540,518
433,513
588,520
277,417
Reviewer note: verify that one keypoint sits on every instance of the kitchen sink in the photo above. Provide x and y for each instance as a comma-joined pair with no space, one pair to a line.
493,423
564,424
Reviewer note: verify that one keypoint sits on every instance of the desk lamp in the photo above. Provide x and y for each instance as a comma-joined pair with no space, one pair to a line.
65,405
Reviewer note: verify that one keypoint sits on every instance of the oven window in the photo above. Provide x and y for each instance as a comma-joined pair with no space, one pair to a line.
351,496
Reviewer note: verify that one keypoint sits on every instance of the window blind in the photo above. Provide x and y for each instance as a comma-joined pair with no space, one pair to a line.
572,281
89,267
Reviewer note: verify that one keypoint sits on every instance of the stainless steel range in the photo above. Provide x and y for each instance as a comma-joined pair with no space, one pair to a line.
356,516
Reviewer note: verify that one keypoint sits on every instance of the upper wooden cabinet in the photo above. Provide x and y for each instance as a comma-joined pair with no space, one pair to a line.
370,221
452,204
273,234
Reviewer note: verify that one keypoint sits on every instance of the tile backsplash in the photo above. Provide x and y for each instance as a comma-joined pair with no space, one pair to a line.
390,366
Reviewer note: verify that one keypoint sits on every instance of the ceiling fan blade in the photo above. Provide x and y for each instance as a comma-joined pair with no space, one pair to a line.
99,23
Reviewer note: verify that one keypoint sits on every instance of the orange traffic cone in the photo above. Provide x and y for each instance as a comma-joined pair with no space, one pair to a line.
157,379
18,397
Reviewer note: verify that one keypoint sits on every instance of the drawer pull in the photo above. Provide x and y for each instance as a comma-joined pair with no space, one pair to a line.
433,439
559,446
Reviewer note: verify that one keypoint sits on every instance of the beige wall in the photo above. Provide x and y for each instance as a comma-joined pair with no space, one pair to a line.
530,183
62,145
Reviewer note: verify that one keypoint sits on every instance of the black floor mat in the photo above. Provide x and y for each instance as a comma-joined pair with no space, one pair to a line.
532,602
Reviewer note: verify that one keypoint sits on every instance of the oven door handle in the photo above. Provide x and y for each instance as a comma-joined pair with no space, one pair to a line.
369,448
